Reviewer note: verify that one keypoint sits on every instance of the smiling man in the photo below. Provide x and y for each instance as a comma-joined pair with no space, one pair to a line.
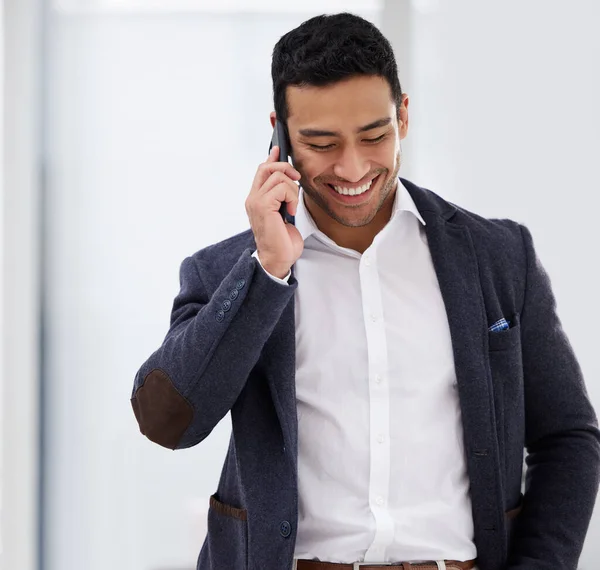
386,359
350,163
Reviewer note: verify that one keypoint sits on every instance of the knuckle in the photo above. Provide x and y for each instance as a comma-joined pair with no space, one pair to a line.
276,179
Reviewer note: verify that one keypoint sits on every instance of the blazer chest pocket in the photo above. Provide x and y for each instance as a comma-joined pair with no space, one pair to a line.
227,540
507,338
506,368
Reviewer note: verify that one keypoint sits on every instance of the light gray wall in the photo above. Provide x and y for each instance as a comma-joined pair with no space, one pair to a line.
505,121
19,278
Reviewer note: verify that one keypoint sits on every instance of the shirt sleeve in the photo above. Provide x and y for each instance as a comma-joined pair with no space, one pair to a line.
283,281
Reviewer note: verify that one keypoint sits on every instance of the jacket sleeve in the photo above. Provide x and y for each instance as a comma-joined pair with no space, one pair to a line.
561,436
190,383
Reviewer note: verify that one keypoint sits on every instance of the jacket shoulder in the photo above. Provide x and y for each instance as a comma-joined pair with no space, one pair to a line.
225,252
501,256
216,260
502,260
491,233
498,243
495,233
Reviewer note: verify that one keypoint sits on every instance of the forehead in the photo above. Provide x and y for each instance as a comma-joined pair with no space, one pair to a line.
351,102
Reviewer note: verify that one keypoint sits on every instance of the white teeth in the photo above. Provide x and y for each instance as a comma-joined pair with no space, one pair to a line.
353,191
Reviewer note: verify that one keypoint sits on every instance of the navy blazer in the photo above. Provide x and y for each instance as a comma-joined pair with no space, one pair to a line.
231,348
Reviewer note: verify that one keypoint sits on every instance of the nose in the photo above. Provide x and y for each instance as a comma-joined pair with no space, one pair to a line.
351,166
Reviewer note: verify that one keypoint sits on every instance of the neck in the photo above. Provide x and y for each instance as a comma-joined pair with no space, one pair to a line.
356,238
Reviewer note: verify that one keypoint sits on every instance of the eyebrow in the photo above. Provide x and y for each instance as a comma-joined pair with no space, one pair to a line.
321,133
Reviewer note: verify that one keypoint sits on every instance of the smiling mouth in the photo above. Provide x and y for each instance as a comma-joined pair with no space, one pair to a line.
343,191
358,195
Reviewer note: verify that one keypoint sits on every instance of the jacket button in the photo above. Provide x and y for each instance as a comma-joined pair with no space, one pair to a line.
240,284
233,295
285,528
220,316
226,305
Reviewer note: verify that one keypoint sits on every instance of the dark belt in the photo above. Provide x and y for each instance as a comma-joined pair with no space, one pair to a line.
450,565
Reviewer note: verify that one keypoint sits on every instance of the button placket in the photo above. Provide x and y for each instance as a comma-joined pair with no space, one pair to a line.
378,404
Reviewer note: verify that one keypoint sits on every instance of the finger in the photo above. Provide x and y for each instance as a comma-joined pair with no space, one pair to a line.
286,167
267,169
276,178
273,154
270,167
282,192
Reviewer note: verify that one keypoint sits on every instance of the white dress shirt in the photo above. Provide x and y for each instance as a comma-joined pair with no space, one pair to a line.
381,465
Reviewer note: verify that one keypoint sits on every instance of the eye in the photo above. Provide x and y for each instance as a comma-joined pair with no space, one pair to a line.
375,140
317,147
327,147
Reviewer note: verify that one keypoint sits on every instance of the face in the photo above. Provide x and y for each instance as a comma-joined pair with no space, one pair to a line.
347,136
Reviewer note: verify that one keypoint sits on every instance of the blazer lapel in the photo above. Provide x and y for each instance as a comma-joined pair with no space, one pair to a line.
457,270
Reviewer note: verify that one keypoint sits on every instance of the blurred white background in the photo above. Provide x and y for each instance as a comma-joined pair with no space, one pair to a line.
131,134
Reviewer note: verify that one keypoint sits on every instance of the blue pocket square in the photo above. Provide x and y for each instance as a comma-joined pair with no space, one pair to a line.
500,325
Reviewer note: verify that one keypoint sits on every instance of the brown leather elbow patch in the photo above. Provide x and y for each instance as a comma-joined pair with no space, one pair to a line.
162,413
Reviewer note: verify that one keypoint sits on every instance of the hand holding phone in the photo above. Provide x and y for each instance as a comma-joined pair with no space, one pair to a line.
278,244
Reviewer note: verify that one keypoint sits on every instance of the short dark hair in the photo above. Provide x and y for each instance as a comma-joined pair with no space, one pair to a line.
327,49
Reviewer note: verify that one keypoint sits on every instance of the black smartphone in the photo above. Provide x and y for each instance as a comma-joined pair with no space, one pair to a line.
281,140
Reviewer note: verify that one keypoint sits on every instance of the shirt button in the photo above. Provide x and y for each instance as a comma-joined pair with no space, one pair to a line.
367,260
378,379
373,317
380,438
379,501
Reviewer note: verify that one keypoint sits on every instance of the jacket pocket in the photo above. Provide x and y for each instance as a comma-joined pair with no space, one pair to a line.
511,519
513,513
504,339
227,539
506,367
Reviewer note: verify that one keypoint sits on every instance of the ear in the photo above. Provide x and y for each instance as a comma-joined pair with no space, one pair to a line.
273,118
403,117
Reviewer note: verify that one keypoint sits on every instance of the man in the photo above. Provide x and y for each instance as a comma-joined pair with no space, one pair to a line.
386,360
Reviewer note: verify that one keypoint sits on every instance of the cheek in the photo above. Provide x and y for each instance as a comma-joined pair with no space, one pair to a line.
300,162
392,145
309,166
383,153
392,153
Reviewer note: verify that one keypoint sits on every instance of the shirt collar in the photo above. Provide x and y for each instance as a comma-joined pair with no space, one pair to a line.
403,202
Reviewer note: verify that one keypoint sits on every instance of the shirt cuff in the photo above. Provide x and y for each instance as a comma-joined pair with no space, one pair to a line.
283,281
